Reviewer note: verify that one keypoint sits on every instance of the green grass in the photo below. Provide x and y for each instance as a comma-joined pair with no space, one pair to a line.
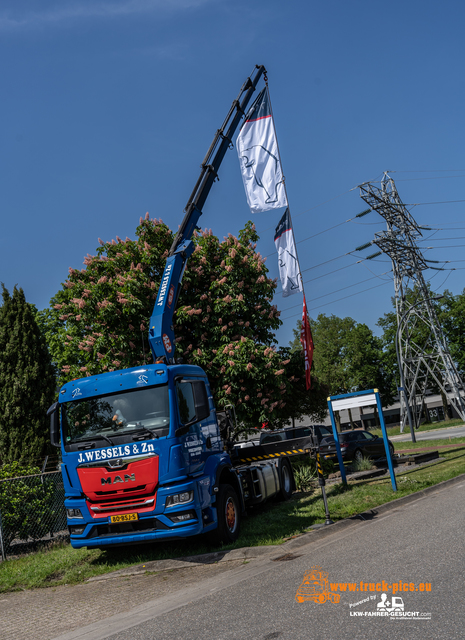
427,426
420,444
265,525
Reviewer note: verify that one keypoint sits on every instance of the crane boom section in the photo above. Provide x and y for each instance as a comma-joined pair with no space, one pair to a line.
161,332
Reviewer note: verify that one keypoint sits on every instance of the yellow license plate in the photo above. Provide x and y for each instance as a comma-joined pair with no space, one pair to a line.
124,517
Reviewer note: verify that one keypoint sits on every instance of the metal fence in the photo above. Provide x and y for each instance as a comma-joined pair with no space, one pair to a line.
31,510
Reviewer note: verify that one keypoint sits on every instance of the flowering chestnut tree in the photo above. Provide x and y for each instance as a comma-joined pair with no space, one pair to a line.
224,322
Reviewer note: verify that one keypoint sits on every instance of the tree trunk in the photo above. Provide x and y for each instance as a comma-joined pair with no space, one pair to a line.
352,423
378,423
337,417
445,405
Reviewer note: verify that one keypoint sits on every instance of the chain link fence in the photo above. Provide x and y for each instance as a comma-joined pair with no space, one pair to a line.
31,511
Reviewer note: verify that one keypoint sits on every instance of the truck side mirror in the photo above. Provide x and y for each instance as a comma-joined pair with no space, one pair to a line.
54,424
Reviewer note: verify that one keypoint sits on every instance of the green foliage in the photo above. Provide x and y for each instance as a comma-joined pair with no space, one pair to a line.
364,464
27,381
450,311
347,357
225,320
305,473
25,502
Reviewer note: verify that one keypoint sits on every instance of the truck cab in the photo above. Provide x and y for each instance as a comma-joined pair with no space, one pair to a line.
141,449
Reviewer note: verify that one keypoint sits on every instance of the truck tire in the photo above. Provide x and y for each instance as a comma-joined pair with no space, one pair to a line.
229,515
286,479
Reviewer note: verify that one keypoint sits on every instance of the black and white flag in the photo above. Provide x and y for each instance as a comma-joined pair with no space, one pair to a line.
289,271
257,148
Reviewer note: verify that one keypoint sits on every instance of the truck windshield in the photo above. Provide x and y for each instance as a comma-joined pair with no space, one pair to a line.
119,414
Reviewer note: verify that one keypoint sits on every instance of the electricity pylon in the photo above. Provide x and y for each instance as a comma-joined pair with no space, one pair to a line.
422,352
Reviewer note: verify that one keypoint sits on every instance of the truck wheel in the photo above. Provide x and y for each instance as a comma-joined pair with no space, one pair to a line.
229,515
286,479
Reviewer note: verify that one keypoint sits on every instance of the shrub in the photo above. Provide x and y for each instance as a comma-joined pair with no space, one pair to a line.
26,499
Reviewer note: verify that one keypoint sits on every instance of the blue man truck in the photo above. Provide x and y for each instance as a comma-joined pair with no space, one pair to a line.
145,454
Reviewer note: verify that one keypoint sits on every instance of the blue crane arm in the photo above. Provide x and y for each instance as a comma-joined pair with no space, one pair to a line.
161,331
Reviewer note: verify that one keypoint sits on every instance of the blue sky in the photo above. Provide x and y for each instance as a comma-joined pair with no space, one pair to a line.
108,109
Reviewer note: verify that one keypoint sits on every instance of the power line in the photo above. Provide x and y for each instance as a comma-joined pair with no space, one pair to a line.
337,290
339,299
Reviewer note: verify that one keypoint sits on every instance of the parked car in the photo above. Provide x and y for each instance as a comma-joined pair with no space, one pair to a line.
355,445
267,437
295,432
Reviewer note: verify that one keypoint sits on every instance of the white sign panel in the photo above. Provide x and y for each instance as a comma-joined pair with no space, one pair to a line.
354,401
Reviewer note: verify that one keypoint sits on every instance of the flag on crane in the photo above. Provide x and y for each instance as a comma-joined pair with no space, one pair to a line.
257,147
307,344
289,270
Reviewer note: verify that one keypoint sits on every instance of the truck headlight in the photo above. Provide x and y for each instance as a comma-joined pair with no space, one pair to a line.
74,513
179,498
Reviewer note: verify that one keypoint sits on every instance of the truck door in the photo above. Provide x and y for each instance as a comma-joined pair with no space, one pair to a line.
200,438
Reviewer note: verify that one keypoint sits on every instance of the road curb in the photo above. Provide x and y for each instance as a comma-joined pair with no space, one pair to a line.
246,553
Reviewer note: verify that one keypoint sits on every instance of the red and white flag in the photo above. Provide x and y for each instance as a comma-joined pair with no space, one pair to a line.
257,147
307,344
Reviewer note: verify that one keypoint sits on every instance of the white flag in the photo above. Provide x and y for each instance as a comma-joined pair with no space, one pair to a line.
289,271
257,148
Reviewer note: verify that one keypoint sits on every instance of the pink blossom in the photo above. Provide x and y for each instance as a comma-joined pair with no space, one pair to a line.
223,369
227,299
231,363
69,284
83,369
116,363
203,296
224,328
228,391
249,366
147,217
259,394
222,281
78,317
58,306
199,352
247,324
220,321
132,345
69,337
142,327
264,400
247,398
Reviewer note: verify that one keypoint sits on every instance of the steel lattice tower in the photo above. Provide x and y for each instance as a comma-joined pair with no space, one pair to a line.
422,352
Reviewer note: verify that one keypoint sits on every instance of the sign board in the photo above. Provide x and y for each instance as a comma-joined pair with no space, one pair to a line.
359,399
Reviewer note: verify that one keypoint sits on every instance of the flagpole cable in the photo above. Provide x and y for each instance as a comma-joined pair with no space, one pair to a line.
284,184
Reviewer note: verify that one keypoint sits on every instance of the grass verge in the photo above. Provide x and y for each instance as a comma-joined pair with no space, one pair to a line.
269,524
426,426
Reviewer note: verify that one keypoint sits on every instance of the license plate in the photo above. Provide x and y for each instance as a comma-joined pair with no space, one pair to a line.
124,517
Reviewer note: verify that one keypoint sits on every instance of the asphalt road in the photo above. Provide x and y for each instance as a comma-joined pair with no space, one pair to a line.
451,432
414,544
